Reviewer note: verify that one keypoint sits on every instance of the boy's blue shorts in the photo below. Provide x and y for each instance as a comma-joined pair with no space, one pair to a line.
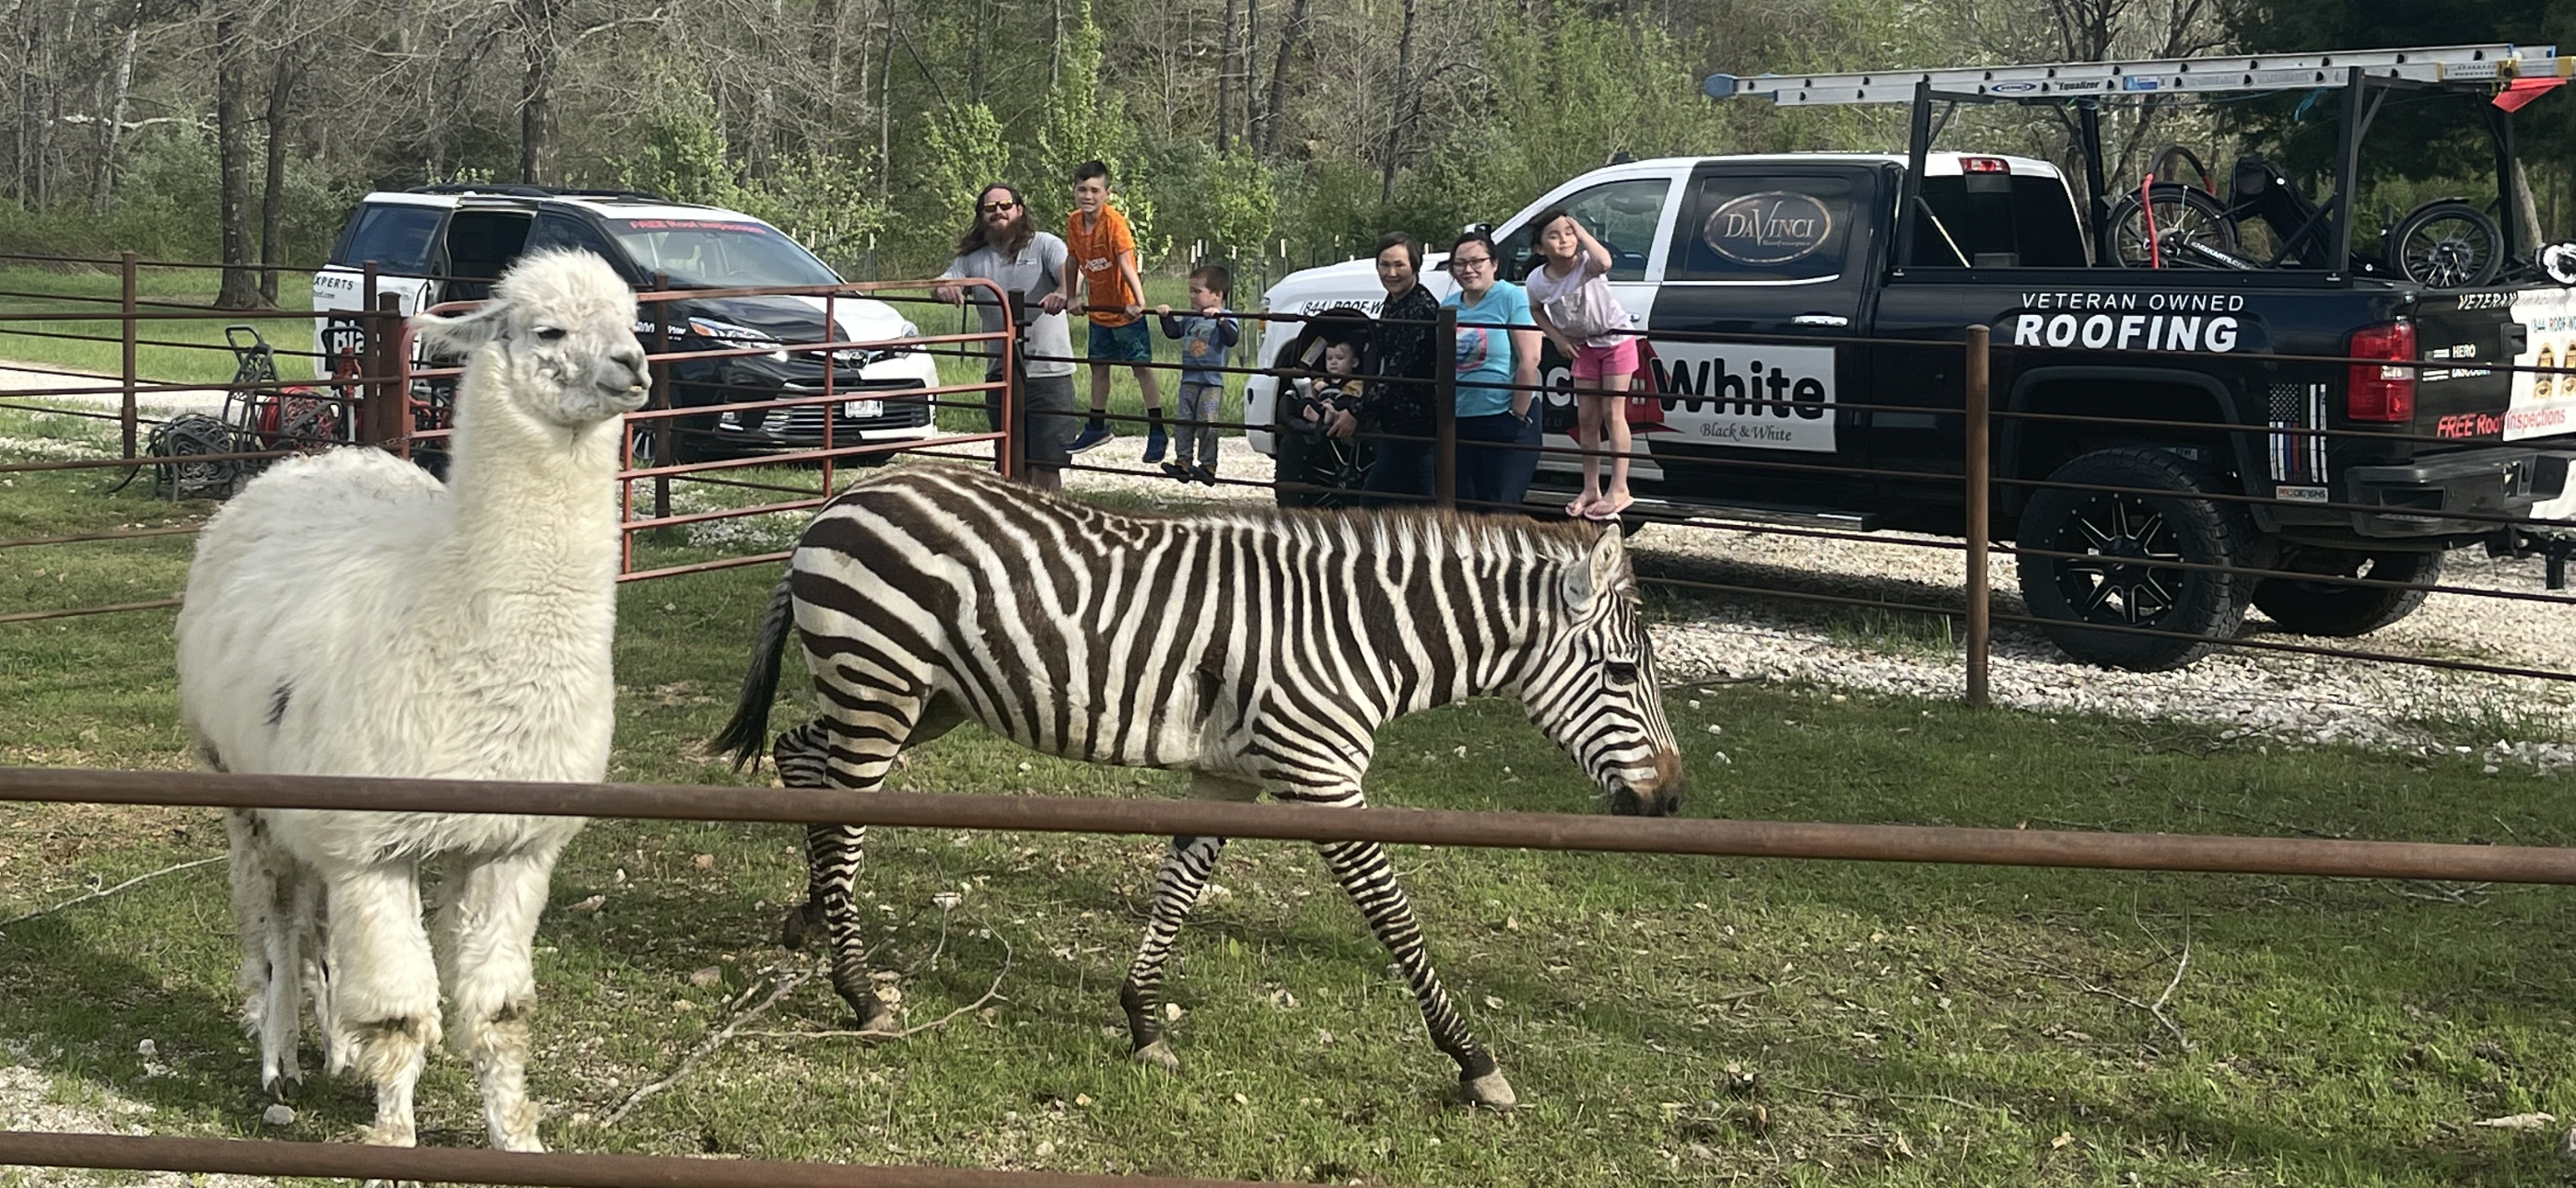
1120,344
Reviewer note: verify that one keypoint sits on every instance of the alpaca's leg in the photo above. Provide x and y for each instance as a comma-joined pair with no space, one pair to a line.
490,923
263,883
313,932
1362,870
1186,867
384,987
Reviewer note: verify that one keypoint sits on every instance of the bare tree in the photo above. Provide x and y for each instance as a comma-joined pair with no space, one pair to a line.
232,152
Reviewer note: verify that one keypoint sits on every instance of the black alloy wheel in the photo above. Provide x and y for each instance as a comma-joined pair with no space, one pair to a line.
2122,548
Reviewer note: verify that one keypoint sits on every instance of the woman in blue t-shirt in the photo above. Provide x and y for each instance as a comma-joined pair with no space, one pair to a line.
1498,437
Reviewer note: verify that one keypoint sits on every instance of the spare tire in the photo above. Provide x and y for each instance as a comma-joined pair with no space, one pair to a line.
2331,608
2116,538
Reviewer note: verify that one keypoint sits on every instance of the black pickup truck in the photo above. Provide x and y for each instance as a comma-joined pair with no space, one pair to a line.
2170,376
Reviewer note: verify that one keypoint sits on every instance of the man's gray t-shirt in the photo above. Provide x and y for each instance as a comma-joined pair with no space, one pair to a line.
1034,270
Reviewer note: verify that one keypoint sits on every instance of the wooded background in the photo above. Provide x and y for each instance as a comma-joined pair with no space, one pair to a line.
244,130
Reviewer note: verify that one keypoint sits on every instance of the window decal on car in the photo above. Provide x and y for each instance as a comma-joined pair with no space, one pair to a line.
1769,228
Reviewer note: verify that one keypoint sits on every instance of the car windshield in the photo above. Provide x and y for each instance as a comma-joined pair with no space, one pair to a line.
708,253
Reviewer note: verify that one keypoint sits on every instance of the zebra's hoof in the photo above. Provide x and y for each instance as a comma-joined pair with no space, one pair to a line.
1490,1091
1158,1054
880,1024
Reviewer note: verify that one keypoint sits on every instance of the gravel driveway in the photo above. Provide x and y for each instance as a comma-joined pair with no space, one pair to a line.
2296,698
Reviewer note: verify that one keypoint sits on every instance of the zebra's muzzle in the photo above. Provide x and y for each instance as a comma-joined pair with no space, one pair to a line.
1658,795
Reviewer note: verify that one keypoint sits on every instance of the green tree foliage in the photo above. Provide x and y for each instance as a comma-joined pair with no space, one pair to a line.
962,151
1563,95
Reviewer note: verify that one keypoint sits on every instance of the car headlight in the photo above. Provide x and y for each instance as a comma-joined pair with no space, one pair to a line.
738,336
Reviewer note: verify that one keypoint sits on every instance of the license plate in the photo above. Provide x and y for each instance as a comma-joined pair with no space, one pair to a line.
863,410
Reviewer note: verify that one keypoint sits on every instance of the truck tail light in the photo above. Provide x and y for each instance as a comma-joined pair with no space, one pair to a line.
2376,392
1984,165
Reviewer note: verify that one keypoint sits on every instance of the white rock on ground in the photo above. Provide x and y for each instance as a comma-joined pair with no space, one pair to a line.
29,1100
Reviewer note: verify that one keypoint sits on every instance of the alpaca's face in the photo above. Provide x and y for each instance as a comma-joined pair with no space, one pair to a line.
561,327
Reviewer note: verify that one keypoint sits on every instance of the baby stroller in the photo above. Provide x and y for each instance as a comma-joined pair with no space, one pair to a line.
1317,470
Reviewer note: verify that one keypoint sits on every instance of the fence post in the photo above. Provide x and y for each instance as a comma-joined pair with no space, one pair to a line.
1444,413
666,431
1980,599
1013,449
369,415
396,362
127,415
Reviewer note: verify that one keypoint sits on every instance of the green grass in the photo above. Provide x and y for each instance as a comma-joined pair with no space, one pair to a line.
178,350
1666,1021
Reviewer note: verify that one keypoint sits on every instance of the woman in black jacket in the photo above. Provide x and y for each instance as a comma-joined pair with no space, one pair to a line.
1396,414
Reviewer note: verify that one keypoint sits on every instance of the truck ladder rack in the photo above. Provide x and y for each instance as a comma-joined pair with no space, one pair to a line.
2502,62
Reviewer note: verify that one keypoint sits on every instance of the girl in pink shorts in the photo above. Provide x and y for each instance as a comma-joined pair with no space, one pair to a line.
1570,297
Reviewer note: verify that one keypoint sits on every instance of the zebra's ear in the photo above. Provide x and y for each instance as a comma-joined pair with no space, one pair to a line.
1598,573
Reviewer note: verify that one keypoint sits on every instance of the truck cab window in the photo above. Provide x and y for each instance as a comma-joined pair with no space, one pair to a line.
1766,228
1996,220
1623,215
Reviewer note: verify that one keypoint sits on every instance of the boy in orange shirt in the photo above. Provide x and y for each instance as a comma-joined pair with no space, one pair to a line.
1102,265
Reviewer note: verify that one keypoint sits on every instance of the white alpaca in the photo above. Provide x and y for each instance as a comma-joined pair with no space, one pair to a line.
350,615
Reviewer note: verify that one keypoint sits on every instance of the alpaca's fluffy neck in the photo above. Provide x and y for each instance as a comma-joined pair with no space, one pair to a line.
533,528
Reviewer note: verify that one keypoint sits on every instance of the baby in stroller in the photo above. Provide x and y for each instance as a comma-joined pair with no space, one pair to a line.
1319,411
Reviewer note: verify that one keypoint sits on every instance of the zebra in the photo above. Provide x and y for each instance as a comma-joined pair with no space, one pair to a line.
1260,651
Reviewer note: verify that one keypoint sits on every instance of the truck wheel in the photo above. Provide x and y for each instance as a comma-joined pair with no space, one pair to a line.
2119,537
2325,608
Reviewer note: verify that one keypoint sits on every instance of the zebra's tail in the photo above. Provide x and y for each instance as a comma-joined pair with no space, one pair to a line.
748,732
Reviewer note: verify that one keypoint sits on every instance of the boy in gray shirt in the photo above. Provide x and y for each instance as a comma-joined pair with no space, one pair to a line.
1001,245
1206,333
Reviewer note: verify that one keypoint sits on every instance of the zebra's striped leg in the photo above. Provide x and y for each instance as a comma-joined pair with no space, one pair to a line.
805,920
1186,868
1361,868
834,854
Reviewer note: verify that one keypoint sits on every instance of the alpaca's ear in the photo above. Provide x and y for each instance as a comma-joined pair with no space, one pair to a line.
462,332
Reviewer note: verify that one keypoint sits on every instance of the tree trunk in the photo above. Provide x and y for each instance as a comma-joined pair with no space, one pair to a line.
232,152
1271,119
1225,78
885,102
1399,107
1248,76
103,185
282,81
536,91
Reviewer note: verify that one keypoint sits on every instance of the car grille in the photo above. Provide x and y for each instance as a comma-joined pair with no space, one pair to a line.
806,420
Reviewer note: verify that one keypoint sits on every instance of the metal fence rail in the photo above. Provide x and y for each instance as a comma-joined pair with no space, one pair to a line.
2204,853
466,1165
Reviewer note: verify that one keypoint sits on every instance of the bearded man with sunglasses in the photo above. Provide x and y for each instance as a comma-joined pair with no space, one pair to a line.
1001,245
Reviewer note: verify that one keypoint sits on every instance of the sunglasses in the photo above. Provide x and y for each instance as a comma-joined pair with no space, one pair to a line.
996,207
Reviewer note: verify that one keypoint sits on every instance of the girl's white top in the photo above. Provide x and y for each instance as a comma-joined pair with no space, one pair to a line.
1563,297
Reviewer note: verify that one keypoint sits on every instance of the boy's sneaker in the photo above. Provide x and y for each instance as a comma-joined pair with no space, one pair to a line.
1093,436
1178,471
1155,442
1205,474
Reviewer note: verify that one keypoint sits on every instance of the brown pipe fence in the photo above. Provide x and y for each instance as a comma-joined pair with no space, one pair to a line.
384,391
